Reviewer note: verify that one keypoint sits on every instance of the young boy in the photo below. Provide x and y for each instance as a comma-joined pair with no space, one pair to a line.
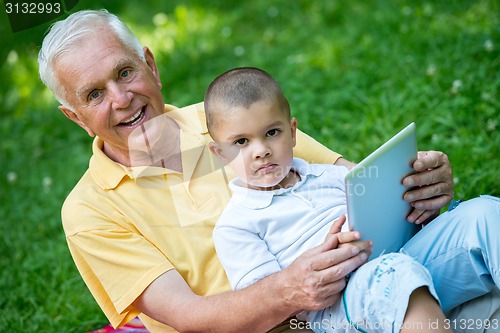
282,206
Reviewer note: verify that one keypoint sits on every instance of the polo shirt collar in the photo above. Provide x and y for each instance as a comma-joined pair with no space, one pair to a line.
255,199
193,144
105,172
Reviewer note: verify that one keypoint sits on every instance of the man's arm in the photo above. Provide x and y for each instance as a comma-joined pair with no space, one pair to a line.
343,162
431,187
311,282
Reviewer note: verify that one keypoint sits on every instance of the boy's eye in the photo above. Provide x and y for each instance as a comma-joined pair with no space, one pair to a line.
241,141
273,132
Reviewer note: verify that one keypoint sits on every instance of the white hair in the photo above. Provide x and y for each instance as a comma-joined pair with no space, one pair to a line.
66,33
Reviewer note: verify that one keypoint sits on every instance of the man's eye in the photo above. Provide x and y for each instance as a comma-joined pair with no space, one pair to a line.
240,141
125,73
273,132
94,95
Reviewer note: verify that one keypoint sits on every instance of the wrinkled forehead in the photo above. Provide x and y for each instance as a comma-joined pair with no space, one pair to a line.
85,37
90,60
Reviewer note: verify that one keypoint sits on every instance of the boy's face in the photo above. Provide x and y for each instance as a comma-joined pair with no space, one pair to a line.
257,143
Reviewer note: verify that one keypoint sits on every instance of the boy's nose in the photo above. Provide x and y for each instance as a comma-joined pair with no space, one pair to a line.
261,150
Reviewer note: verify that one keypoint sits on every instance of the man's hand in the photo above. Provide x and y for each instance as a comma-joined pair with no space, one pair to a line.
317,277
432,186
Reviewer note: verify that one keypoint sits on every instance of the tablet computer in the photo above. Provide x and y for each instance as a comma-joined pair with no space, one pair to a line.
374,191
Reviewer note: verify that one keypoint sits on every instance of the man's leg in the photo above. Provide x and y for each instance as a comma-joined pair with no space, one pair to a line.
461,249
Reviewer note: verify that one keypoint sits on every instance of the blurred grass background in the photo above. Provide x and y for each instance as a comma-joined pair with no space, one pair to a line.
355,73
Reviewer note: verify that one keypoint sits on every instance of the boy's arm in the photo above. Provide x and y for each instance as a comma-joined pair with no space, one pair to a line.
243,254
343,162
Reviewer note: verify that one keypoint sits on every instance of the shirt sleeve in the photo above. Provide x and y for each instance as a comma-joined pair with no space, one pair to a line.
116,264
243,254
312,151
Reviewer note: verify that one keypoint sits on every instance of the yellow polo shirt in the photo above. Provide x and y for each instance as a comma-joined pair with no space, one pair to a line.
125,226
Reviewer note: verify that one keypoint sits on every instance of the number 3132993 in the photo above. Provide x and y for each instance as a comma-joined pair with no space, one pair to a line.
32,8
466,324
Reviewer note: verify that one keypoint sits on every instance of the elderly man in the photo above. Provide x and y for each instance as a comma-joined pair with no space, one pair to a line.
139,222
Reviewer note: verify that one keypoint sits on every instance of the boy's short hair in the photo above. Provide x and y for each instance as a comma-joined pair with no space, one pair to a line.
241,87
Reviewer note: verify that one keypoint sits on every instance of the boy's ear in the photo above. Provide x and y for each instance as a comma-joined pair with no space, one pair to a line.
293,126
73,116
217,151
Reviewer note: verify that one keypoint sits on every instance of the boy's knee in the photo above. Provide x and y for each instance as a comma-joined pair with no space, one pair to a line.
401,262
396,258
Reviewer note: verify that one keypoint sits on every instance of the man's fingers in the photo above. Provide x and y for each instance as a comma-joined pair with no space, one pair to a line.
432,186
433,176
433,203
338,256
432,167
331,242
419,216
430,160
340,270
319,278
334,257
430,197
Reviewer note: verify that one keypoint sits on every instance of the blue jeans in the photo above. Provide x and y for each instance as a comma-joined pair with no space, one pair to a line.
461,250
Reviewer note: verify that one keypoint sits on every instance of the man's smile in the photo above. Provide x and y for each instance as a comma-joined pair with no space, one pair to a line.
134,119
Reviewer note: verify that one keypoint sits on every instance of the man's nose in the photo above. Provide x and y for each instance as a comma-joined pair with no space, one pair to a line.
120,96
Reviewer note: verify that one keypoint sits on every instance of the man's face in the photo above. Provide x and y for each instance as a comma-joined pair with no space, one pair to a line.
111,90
257,143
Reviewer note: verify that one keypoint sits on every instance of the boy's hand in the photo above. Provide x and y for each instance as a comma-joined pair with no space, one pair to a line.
342,237
348,236
337,225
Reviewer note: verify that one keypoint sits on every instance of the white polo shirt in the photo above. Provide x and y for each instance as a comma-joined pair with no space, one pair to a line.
262,232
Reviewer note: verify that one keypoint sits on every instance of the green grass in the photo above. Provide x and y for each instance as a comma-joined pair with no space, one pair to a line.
355,73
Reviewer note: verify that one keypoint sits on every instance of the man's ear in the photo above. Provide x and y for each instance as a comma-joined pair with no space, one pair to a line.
150,61
217,151
74,117
293,125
